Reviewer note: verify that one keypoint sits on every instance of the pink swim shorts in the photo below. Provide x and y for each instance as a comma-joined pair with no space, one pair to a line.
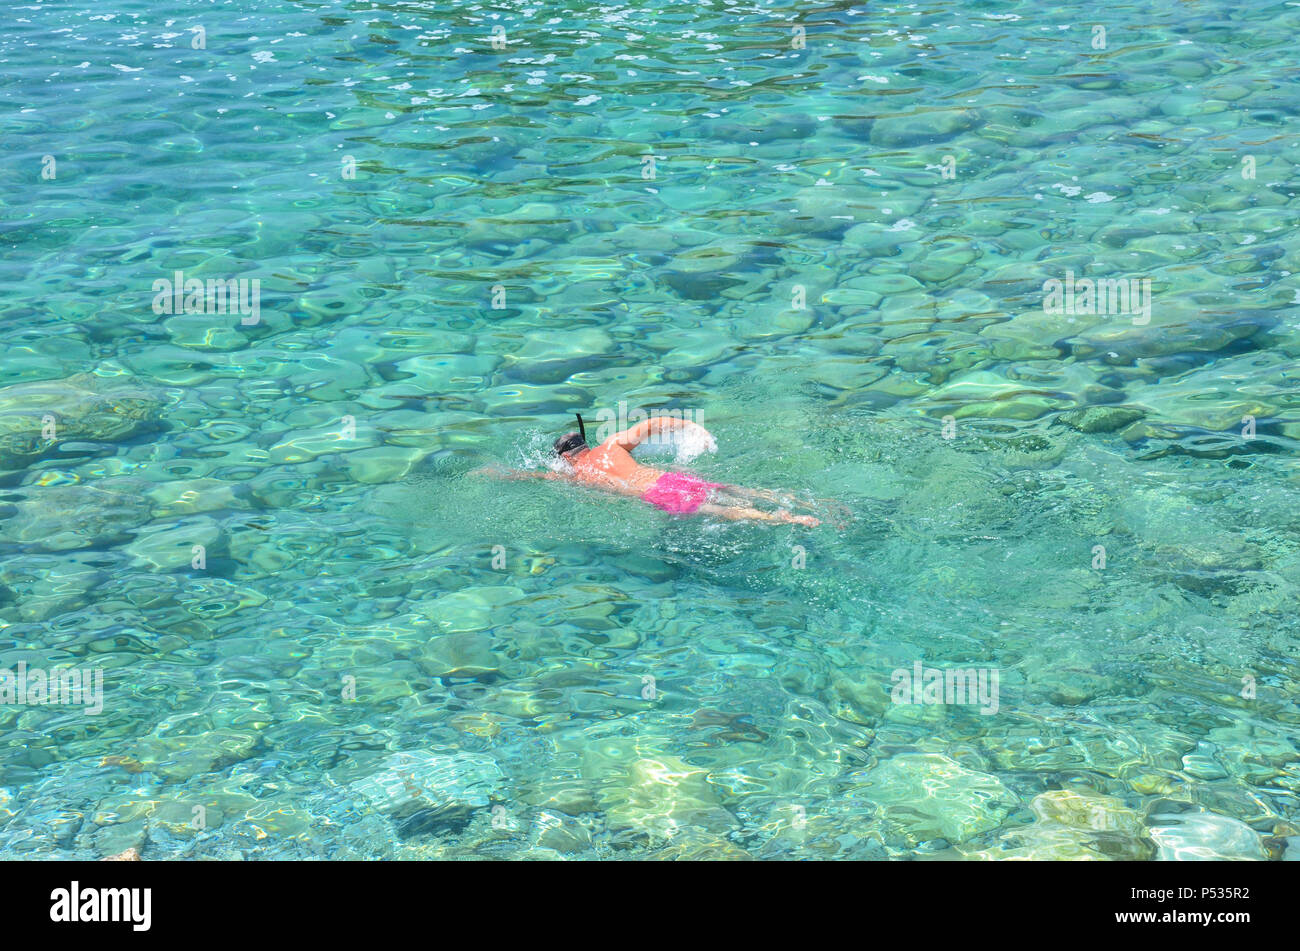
679,493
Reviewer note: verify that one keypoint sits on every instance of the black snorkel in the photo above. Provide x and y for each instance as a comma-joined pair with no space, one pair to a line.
572,441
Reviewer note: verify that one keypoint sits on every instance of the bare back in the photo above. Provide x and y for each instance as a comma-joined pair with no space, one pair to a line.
611,467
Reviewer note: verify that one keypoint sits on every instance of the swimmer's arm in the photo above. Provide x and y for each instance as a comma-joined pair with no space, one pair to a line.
631,438
516,473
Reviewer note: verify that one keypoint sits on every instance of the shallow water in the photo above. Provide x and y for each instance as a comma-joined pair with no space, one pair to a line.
377,655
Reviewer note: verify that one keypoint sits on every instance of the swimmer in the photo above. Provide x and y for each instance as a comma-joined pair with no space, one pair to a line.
611,468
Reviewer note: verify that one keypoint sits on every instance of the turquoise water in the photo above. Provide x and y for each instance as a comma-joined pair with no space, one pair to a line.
372,655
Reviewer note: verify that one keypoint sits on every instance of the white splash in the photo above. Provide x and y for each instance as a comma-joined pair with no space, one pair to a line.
692,442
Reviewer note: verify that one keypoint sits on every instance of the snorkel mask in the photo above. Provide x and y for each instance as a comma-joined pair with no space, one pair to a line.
572,441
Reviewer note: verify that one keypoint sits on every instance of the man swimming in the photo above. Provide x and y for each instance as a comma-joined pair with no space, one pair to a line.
611,468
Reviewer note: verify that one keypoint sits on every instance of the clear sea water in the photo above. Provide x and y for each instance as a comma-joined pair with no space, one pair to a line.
374,655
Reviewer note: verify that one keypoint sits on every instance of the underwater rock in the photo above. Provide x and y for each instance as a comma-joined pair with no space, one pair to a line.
1015,126
176,819
129,855
277,819
135,820
922,128
767,127
889,284
61,585
36,418
1148,783
860,701
411,781
1204,836
706,259
549,353
117,839
1246,744
561,833
1224,553
458,655
446,373
771,319
981,386
661,796
382,464
854,293
1201,764
1040,842
471,608
1082,809
1175,330
195,496
1100,419
931,796
1070,825
689,348
874,239
847,374
694,846
573,797
486,725
943,260
171,544
67,517
183,757
1072,677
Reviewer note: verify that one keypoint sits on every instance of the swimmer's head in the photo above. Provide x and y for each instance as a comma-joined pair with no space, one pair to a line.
570,443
